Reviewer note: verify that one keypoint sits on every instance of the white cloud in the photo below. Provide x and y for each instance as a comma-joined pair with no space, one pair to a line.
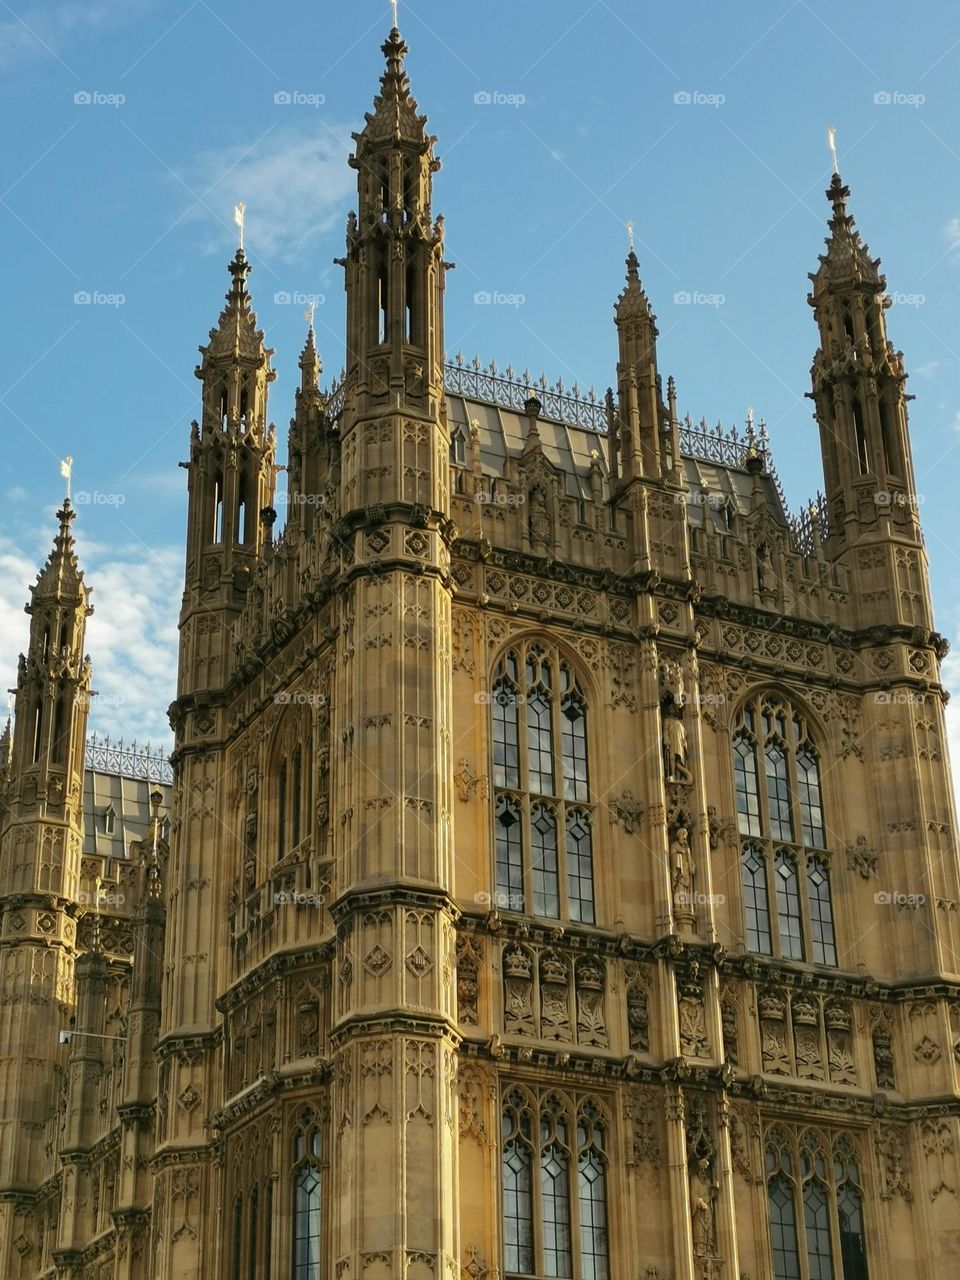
131,636
45,33
928,370
953,234
295,182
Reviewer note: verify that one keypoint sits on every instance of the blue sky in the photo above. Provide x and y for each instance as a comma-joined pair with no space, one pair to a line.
125,193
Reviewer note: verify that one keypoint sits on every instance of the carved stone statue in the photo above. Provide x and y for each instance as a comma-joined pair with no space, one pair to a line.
763,567
702,1194
681,873
539,518
674,738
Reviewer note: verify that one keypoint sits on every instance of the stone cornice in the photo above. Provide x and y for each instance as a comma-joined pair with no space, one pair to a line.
276,965
392,894
395,1022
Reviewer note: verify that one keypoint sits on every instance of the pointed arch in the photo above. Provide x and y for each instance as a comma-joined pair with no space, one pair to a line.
785,836
543,810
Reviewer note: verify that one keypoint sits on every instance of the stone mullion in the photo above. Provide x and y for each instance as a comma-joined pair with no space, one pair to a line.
726,1203
700,841
654,783
678,1184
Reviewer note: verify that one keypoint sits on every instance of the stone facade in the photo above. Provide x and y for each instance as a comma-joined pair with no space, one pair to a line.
559,829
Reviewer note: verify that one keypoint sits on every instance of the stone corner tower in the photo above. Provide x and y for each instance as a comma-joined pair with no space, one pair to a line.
40,848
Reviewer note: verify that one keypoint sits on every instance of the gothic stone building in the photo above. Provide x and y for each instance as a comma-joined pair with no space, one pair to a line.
562,875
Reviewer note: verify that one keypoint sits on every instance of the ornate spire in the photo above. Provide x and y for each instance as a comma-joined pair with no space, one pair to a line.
847,260
633,302
311,365
61,577
236,335
395,115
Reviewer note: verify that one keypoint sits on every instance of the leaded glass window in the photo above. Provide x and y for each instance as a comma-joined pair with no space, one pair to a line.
756,908
785,859
543,819
554,1187
821,912
306,1202
815,1203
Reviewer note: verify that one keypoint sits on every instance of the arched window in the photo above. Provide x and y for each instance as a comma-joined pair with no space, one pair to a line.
554,1219
784,857
543,819
782,1208
306,1198
458,445
290,785
853,1247
815,1207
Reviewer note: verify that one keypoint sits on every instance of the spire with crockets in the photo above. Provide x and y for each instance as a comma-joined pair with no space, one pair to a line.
642,414
394,263
861,403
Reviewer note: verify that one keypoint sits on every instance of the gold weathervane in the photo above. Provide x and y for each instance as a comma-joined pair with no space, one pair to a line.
394,5
238,216
66,470
832,143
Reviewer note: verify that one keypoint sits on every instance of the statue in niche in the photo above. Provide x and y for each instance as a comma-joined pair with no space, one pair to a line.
539,519
763,568
674,739
681,873
702,1215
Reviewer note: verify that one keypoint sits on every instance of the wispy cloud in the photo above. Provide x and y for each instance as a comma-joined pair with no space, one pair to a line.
953,236
38,33
295,183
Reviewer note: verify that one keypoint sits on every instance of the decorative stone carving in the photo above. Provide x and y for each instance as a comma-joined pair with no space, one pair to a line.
622,673
704,1185
882,1039
518,991
591,1029
638,1015
472,1087
694,1041
467,782
469,957
773,1033
682,876
892,1150
643,1111
730,1020
628,811
936,1138
840,1043
674,740
861,858
808,1054
927,1051
554,997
